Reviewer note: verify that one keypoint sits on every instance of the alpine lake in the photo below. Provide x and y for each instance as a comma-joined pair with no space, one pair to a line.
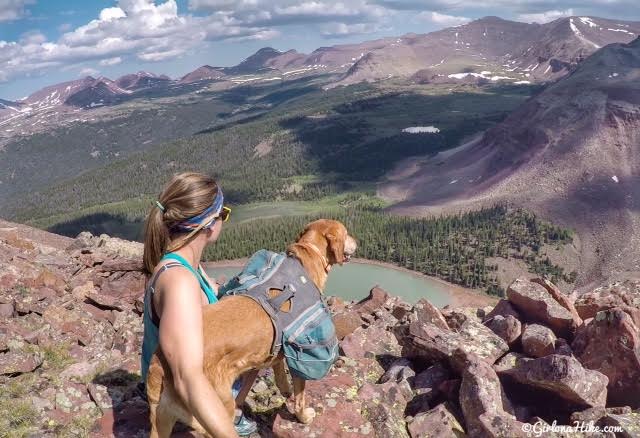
354,280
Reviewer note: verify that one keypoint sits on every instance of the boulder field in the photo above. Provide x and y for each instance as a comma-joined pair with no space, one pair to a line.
71,328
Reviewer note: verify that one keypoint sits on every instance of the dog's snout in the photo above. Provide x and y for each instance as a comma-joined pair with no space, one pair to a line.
350,245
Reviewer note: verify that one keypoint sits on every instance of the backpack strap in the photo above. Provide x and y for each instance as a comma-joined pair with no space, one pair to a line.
206,288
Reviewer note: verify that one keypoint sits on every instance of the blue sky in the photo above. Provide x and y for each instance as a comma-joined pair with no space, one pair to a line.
48,41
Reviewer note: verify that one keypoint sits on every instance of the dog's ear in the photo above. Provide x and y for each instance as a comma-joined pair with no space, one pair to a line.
336,246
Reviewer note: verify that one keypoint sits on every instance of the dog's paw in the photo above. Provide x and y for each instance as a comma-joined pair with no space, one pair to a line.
306,416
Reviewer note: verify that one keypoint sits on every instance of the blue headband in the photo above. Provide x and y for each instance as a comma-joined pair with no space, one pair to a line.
206,218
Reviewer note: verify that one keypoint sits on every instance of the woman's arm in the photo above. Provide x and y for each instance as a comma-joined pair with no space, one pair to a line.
181,340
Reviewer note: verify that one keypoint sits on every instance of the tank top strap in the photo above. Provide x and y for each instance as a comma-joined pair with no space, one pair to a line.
206,288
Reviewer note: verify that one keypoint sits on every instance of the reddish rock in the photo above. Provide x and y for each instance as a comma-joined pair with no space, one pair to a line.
49,279
6,310
628,423
438,422
563,347
375,301
535,304
373,340
432,344
399,370
595,414
121,265
428,313
561,298
127,288
346,323
509,361
610,344
484,404
504,309
562,377
384,407
105,302
18,362
538,340
625,296
508,328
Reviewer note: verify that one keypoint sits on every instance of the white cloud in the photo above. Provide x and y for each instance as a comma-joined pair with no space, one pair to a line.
443,19
88,72
343,29
111,61
545,17
13,9
143,29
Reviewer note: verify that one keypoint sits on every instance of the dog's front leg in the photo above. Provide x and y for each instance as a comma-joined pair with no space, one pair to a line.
280,375
305,415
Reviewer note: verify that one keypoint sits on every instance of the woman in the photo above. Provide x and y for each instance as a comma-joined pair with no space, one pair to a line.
186,218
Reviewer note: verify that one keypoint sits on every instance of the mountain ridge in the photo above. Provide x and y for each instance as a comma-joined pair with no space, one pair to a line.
570,153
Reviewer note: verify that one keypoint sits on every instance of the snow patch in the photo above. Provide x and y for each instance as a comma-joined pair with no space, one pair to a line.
621,30
522,82
547,70
615,179
421,130
587,20
575,30
453,181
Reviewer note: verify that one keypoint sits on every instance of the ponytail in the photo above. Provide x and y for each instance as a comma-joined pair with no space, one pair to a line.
185,196
156,240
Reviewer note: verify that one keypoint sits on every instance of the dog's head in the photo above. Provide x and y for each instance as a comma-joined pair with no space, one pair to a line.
332,237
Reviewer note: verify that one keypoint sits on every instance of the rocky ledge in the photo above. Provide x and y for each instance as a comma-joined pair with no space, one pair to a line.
71,327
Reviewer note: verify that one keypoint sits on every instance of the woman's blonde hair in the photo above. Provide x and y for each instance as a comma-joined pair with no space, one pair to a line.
185,196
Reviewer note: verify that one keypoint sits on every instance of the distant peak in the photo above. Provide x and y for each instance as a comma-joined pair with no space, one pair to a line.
268,49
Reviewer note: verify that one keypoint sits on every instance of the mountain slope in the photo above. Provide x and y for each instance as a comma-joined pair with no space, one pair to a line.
493,49
571,153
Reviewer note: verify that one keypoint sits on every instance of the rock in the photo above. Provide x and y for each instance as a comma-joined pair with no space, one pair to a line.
509,361
508,328
346,323
79,371
438,422
427,381
399,370
432,344
610,344
6,310
427,312
538,340
373,339
561,298
484,403
426,386
105,302
18,362
504,309
384,407
596,413
625,295
375,301
563,377
563,347
629,423
535,304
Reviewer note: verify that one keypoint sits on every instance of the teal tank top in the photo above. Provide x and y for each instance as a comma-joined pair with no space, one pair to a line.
150,338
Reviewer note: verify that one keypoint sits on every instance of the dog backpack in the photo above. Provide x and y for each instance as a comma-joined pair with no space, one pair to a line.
306,333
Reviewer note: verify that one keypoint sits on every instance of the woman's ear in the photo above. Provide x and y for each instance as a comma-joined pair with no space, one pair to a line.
336,246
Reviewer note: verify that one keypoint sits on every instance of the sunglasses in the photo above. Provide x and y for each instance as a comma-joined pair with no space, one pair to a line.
225,214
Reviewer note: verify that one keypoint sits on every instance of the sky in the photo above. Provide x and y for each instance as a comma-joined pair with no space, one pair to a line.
43,42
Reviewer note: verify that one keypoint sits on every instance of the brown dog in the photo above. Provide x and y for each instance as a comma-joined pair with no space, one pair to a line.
244,334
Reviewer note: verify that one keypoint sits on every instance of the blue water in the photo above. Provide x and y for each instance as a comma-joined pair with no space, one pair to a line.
353,281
